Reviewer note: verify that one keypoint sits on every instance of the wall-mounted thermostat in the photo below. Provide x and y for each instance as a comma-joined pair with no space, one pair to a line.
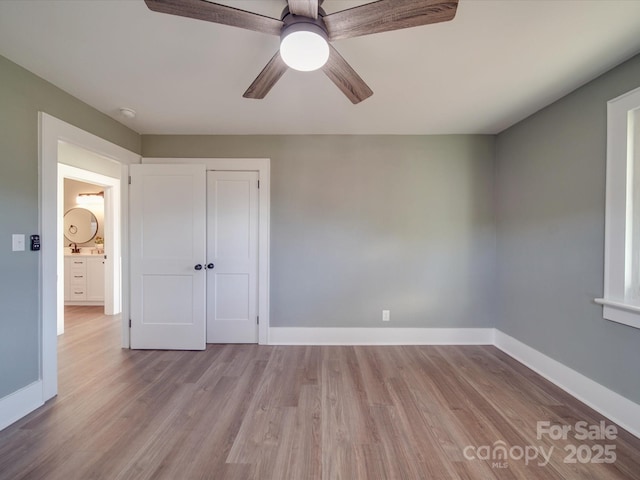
35,243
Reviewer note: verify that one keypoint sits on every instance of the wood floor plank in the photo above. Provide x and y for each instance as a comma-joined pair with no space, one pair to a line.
369,363
427,451
306,434
253,412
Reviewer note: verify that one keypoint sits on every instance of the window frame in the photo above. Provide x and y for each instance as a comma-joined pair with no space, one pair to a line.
621,299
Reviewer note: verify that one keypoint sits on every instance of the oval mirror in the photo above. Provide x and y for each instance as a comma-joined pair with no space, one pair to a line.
80,225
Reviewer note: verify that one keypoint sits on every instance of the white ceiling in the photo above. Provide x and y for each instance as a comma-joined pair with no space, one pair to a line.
497,62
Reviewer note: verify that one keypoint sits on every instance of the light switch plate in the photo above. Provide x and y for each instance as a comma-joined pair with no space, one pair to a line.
17,242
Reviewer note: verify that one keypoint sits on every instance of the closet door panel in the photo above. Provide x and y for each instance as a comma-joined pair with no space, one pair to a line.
232,250
168,251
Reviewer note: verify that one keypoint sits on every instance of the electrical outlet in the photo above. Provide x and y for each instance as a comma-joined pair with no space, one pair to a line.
386,315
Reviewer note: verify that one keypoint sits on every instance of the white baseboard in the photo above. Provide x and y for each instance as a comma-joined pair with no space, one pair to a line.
612,405
380,336
18,404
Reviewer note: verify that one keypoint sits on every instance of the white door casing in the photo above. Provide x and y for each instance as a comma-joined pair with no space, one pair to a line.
168,252
52,132
232,251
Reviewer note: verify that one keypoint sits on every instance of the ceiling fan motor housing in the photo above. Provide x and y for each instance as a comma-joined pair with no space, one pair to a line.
290,19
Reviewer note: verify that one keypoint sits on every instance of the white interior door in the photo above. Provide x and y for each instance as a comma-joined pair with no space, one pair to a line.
232,250
168,250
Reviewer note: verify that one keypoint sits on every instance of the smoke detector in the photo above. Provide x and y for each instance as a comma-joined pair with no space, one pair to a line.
128,112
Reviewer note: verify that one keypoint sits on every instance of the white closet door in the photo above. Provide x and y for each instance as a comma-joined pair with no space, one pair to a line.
232,249
168,251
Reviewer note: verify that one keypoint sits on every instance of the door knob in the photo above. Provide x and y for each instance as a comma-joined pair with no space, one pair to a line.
198,267
210,266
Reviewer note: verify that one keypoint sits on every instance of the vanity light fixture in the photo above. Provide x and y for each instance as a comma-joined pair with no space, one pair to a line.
90,198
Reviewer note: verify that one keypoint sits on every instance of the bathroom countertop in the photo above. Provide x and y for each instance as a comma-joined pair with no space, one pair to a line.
84,252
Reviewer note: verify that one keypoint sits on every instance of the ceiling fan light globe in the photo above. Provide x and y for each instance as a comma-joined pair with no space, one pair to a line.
304,49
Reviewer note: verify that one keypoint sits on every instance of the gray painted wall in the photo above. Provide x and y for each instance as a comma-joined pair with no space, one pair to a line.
365,223
22,95
550,219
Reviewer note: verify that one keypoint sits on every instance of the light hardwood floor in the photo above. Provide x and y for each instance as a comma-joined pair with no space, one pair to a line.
258,412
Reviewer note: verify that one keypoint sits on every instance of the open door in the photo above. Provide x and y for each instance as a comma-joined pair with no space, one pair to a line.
168,254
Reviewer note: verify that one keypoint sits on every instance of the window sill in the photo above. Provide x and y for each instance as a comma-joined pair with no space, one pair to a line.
620,312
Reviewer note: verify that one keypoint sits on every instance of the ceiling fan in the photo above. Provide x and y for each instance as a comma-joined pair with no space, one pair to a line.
305,31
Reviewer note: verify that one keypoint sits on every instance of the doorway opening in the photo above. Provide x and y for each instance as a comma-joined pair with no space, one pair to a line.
91,271
55,136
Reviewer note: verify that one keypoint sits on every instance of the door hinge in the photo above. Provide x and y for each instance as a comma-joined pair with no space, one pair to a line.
258,320
129,323
258,183
129,179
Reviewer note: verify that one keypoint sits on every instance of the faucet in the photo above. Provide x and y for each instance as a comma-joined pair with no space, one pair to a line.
74,248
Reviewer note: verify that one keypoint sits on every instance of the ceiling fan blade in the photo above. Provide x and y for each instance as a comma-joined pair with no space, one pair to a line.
387,15
267,78
345,77
306,8
216,13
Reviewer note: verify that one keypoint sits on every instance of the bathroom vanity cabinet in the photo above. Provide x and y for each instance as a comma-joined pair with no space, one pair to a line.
84,279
